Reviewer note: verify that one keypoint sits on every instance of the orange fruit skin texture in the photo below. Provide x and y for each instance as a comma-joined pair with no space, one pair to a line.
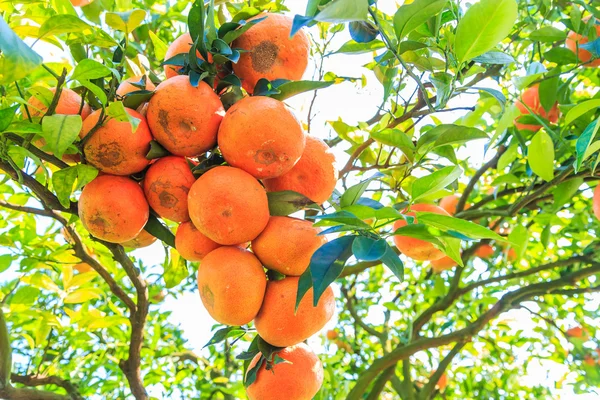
113,208
576,332
126,87
443,264
287,244
261,136
270,52
596,203
144,239
185,119
332,334
449,204
511,254
314,175
574,40
81,3
228,205
418,249
191,243
276,322
166,186
232,285
484,251
531,97
69,103
113,148
298,379
82,267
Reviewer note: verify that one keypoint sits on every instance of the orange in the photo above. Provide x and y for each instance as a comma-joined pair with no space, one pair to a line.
261,136
144,239
314,175
113,208
449,204
596,202
183,44
576,332
574,40
286,245
443,264
270,53
228,205
531,97
126,87
69,103
332,334
81,3
166,186
418,249
484,251
442,382
191,243
82,267
185,119
113,148
276,321
232,285
589,360
300,378
511,254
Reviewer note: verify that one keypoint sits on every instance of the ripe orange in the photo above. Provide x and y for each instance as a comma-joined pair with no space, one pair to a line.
449,204
574,40
82,267
113,208
144,239
69,103
113,148
276,322
300,378
232,285
261,136
332,334
286,245
166,186
314,175
191,243
576,332
484,251
511,254
418,249
185,119
442,382
126,87
270,52
531,97
228,205
596,202
183,44
443,264
81,3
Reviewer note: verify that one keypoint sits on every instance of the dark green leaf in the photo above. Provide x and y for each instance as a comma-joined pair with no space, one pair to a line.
391,260
288,202
230,36
159,230
292,88
560,55
494,57
584,141
225,333
327,264
136,98
6,117
362,31
368,249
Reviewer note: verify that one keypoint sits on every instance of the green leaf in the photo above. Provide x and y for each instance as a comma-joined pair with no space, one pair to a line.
581,109
391,260
136,98
352,47
117,111
396,138
63,181
5,262
89,69
225,333
368,249
288,202
548,91
448,134
483,26
81,296
6,116
250,377
5,353
584,141
17,60
344,11
560,55
304,285
354,192
160,231
343,217
518,237
60,131
293,88
548,34
156,151
435,182
540,155
327,264
494,57
160,47
564,192
125,21
466,228
508,157
410,16
506,121
62,23
239,31
97,91
175,269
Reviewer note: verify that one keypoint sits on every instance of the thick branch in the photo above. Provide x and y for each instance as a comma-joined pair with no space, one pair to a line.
429,388
13,393
40,380
36,151
380,383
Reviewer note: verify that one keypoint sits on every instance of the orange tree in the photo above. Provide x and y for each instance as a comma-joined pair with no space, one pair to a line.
459,251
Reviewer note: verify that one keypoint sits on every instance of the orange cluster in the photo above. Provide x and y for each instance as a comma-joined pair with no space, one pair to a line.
225,212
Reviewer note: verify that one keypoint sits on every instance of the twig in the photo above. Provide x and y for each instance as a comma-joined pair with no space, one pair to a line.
40,380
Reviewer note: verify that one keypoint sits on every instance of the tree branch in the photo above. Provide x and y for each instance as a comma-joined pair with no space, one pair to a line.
380,383
370,330
429,388
40,380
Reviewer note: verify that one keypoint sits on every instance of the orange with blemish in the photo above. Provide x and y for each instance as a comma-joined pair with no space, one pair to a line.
418,249
183,44
144,239
191,243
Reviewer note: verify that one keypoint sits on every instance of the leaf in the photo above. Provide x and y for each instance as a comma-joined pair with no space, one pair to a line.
506,121
136,98
368,249
583,142
518,237
540,155
81,296
160,231
483,26
548,34
5,353
96,90
63,181
344,11
304,285
434,182
288,202
362,31
160,47
175,269
396,138
581,109
250,377
410,16
564,192
498,95
353,194
443,87
352,47
60,131
344,217
17,60
448,134
391,260
156,151
293,88
89,69
593,47
448,223
560,55
225,333
6,116
117,111
62,23
125,21
508,157
243,26
5,262
548,90
327,264
494,57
